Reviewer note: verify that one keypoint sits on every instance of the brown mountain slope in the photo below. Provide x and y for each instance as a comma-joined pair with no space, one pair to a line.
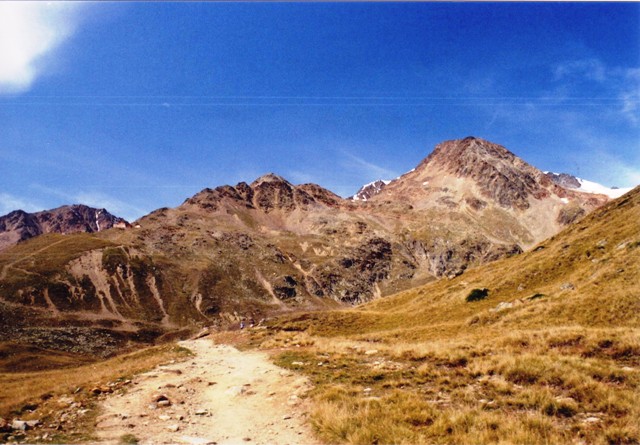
584,276
19,225
539,348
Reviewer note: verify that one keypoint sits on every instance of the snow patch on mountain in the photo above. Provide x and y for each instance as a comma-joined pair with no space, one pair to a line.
594,187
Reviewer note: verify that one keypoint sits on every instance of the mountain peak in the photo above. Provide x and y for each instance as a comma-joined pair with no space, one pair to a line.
498,173
369,190
459,154
270,177
473,170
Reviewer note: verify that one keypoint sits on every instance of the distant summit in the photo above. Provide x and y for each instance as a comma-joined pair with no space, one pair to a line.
368,191
476,188
19,225
495,172
582,185
270,177
564,180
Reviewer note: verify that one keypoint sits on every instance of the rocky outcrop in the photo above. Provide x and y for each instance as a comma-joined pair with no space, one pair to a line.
570,214
564,180
353,277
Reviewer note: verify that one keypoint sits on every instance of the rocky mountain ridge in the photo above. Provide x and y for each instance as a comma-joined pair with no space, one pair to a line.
250,250
267,193
564,180
19,225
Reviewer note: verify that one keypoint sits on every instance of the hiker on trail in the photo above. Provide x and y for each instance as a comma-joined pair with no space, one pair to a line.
241,324
251,323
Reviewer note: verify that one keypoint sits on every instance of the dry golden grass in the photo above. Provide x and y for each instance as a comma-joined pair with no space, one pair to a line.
21,388
551,355
525,387
49,253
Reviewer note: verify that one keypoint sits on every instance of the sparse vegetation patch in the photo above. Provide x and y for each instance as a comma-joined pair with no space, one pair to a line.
526,387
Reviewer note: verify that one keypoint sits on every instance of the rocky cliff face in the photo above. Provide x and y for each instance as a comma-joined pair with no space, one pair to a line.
19,225
564,180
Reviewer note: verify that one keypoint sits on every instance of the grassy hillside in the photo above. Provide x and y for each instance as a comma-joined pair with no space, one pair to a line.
539,348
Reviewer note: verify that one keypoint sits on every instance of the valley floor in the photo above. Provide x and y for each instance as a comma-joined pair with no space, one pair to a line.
221,395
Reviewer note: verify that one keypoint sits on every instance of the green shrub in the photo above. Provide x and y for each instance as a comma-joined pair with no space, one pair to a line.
477,294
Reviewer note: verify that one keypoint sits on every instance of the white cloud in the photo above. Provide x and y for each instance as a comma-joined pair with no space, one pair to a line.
28,32
615,85
601,159
9,203
631,105
614,172
591,69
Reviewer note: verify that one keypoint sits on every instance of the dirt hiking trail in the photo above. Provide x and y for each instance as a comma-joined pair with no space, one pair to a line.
219,396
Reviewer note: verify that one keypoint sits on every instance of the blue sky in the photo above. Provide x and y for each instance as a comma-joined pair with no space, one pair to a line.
135,106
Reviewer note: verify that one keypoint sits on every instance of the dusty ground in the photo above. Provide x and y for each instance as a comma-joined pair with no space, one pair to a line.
221,396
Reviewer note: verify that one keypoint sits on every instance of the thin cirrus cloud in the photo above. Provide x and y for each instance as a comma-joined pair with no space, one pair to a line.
592,69
617,84
631,96
366,168
30,31
610,170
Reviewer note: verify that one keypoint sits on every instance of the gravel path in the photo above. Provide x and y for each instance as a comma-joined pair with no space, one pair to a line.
220,396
